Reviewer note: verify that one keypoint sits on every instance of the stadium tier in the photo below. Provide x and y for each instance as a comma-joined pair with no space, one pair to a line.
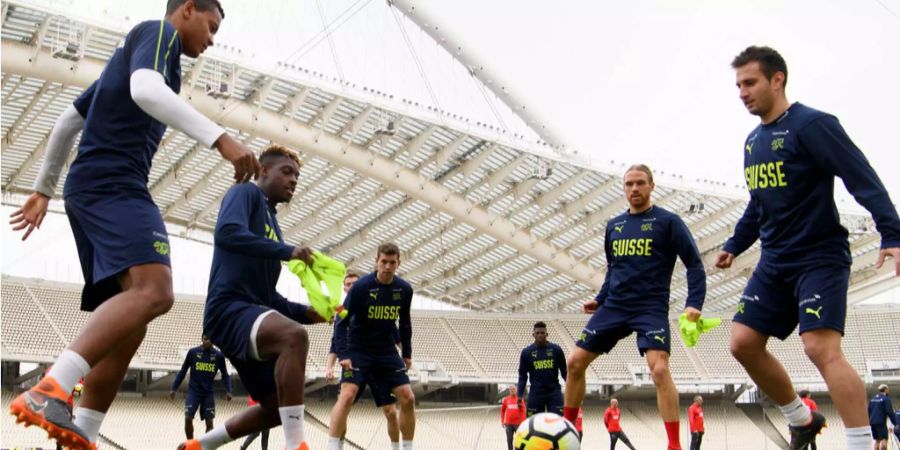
465,347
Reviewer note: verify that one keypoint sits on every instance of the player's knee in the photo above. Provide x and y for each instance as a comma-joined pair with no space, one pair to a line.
297,338
405,398
576,366
743,350
660,372
821,353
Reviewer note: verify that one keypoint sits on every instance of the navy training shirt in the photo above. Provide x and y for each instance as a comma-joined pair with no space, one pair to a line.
334,337
789,167
119,139
247,256
542,364
881,410
203,365
640,256
374,311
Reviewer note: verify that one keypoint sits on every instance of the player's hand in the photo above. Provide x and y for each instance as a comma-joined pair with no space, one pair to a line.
329,375
246,166
313,316
304,254
31,214
228,396
890,252
590,306
693,314
171,395
346,364
724,259
408,362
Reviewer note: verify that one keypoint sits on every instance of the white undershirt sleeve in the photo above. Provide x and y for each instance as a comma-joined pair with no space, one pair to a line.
150,92
67,126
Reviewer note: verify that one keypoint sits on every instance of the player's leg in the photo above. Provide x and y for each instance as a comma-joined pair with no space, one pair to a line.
264,439
748,346
102,384
822,293
666,392
337,428
393,424
613,439
254,419
407,416
288,343
250,438
208,410
625,440
600,334
510,432
191,406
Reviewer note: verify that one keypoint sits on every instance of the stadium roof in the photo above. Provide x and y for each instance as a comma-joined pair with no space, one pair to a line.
487,219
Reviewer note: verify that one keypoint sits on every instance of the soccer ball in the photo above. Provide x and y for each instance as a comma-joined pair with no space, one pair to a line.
546,431
76,391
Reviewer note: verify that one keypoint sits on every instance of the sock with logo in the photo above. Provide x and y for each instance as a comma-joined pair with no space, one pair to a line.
292,422
859,438
406,445
796,412
335,443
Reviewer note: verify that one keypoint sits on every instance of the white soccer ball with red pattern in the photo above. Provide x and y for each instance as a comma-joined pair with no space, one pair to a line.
546,431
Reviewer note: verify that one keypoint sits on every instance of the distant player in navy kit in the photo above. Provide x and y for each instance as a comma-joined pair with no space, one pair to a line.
203,362
376,304
383,397
121,238
257,328
641,247
880,412
790,161
544,362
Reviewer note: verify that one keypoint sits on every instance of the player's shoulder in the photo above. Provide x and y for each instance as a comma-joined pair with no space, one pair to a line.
152,28
801,115
403,284
245,189
529,348
617,219
663,213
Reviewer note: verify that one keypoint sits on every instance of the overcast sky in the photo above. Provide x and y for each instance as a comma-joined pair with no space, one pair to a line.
637,81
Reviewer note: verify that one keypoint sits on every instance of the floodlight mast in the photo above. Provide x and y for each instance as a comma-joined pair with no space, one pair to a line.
490,78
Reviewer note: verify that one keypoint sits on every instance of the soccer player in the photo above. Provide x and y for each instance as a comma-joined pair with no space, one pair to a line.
203,361
544,362
383,397
122,241
790,161
641,247
813,407
880,411
695,422
611,418
512,414
262,435
365,344
256,328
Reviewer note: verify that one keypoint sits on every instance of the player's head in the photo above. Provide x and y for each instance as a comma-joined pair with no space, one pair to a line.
540,333
280,170
638,185
613,402
884,389
349,279
197,22
761,78
513,390
387,260
205,342
803,394
698,399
